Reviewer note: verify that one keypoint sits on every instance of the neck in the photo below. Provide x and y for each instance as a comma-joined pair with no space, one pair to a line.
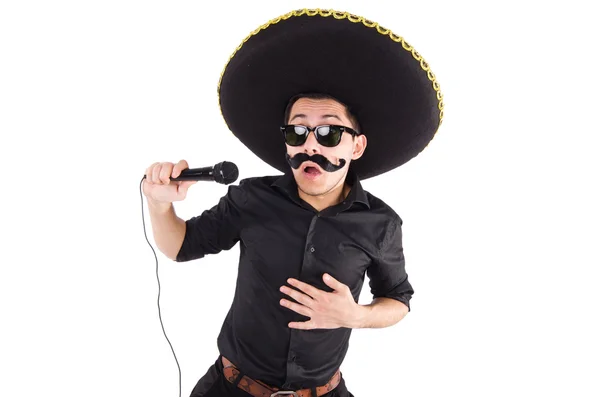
331,198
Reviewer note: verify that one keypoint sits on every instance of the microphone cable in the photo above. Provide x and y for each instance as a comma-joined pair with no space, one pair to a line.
158,280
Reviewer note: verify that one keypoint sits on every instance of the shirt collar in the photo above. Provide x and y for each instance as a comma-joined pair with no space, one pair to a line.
357,194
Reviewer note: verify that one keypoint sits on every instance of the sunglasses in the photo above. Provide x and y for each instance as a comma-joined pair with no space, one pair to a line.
327,135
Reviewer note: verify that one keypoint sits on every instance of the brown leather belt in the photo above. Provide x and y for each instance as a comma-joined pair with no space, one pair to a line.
259,389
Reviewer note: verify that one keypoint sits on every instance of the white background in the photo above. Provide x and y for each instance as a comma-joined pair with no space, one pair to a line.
500,211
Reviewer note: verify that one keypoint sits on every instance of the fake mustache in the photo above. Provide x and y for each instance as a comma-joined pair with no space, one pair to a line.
319,159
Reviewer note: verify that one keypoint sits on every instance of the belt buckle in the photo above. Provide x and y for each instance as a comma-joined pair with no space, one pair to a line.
288,393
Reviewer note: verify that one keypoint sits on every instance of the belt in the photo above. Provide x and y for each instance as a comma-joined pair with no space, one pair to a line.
259,389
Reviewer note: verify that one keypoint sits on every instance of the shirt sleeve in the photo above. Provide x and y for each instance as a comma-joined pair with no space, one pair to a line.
216,229
387,274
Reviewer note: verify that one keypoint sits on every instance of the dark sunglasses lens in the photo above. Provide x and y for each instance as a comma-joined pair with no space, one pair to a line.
294,136
329,135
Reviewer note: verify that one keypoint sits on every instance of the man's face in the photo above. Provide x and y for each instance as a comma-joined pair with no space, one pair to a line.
310,177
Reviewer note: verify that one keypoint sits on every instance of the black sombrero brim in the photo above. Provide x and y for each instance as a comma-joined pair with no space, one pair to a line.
376,73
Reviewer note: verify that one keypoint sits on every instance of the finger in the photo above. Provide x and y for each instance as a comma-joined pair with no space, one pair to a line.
298,296
296,307
165,173
306,288
156,174
333,283
148,172
180,166
302,325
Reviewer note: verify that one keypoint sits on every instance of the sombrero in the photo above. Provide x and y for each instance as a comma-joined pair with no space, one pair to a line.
382,78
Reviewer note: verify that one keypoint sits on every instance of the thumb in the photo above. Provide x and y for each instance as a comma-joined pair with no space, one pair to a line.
185,185
332,282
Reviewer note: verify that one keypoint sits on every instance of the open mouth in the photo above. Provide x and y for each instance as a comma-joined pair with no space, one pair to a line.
311,170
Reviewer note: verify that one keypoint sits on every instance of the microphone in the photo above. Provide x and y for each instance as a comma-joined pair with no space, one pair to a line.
224,172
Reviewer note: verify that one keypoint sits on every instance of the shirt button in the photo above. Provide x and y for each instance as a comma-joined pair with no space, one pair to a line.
312,249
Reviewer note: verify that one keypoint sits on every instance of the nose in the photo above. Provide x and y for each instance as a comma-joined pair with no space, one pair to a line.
311,145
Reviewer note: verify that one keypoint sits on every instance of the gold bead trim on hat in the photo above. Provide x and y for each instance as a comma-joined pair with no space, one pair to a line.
355,19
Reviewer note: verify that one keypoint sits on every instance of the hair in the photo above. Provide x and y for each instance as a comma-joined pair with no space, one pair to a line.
317,95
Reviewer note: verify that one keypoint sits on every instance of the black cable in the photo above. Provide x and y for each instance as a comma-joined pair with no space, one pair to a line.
157,279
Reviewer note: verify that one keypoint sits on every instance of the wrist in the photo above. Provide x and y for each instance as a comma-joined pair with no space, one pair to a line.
159,206
360,316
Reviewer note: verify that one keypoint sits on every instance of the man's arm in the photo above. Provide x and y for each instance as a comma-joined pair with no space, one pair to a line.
337,308
389,283
167,228
216,229
381,313
389,286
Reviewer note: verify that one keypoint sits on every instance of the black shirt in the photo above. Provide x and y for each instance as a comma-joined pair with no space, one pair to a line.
282,236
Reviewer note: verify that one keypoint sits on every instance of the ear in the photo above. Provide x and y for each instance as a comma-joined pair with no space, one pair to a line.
360,144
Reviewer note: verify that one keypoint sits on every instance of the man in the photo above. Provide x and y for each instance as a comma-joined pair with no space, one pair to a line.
308,237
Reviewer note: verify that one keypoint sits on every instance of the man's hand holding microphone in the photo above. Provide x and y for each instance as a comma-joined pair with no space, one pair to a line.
160,189
165,183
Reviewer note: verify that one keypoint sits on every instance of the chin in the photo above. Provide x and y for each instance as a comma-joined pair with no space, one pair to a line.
314,188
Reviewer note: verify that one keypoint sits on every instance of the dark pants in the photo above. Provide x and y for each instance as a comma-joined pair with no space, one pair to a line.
214,384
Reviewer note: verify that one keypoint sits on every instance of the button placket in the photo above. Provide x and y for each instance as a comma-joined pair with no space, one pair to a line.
309,247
